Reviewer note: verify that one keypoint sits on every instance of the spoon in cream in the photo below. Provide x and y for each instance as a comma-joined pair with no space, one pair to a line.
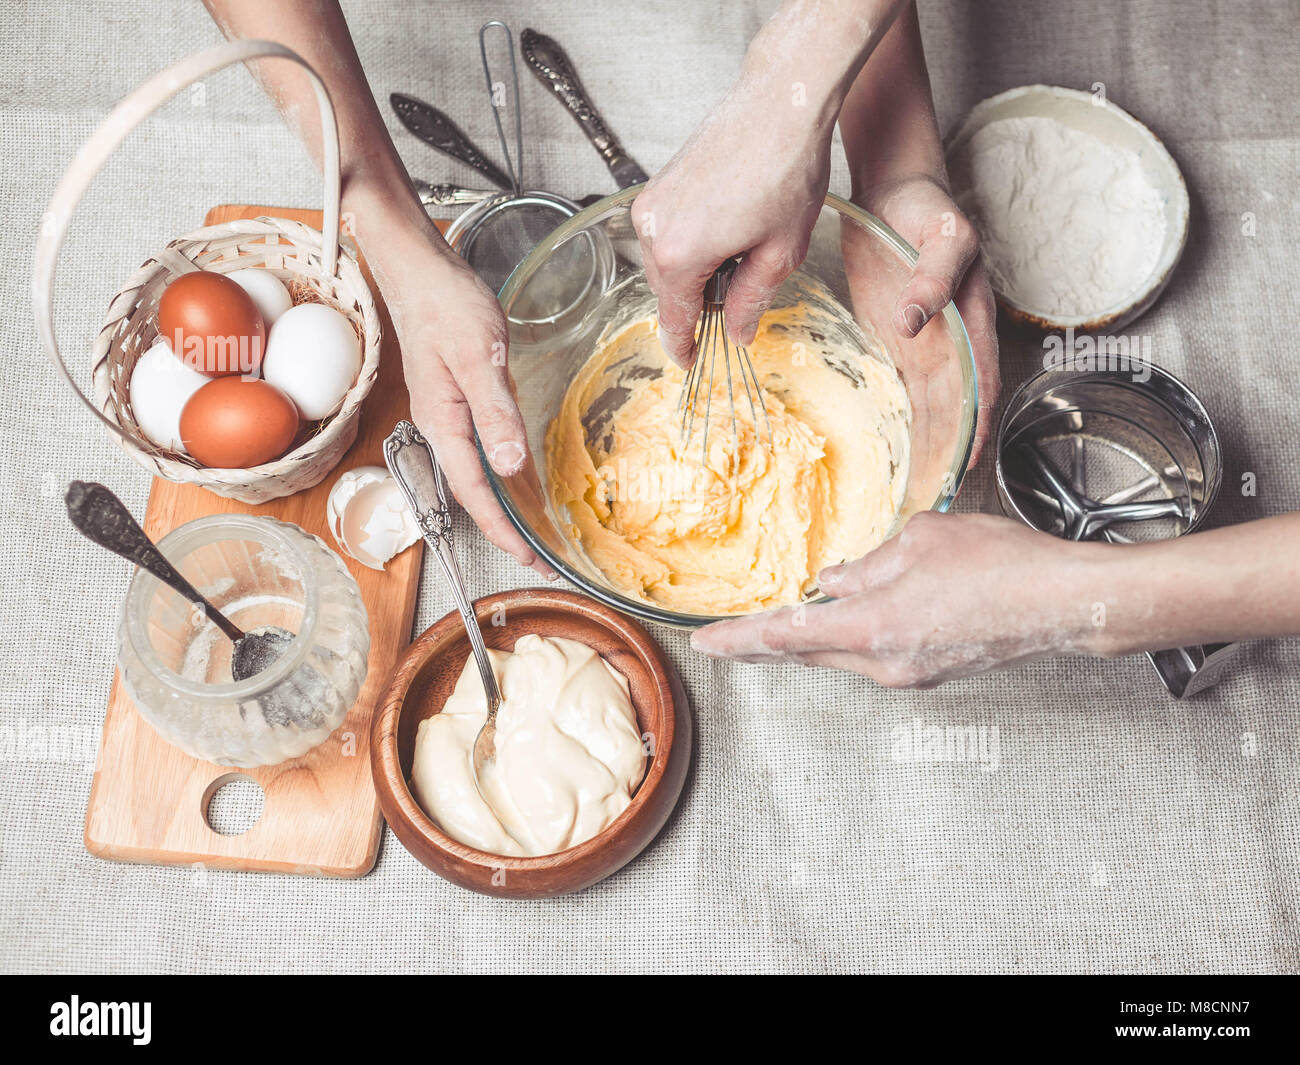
411,461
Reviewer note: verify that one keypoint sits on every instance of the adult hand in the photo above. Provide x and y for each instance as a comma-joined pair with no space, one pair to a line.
920,210
752,178
451,330
750,181
950,596
454,344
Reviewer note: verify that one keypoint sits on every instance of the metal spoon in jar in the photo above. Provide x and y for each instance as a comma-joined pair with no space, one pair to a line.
100,516
413,466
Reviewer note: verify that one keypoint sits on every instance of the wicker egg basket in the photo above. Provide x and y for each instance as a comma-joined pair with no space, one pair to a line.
314,266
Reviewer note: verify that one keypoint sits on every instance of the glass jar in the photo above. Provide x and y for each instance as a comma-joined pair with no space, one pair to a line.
257,571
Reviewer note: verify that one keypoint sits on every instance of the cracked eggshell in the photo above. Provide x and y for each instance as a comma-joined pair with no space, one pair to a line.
368,516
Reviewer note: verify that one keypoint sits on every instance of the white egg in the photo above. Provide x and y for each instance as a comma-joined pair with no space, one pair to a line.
368,516
266,290
313,356
161,385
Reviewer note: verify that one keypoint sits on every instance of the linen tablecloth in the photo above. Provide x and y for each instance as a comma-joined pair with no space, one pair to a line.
1119,831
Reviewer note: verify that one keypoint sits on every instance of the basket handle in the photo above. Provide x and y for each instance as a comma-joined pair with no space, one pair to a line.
128,114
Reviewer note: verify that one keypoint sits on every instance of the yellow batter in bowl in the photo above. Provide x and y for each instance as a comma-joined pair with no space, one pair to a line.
745,527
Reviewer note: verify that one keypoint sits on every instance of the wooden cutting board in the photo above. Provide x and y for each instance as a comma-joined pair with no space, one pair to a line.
320,817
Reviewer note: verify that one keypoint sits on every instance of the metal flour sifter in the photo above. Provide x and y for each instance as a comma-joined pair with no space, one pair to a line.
1123,455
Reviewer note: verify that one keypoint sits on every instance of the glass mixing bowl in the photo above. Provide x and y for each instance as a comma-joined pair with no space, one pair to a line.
587,277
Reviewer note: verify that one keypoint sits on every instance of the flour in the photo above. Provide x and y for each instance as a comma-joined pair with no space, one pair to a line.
1070,226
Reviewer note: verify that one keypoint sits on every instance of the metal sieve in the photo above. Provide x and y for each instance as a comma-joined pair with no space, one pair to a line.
496,235
1123,455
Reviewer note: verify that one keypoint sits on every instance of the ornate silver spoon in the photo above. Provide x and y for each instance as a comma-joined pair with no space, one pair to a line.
100,516
413,466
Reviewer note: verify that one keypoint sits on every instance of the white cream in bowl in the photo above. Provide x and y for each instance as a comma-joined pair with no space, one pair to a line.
569,752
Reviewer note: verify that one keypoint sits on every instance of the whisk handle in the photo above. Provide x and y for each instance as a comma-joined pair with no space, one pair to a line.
715,289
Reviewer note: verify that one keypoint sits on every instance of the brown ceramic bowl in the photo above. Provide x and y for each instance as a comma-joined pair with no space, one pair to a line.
424,678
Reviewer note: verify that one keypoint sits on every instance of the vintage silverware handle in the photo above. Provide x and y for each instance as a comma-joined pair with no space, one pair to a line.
101,516
445,195
551,64
438,131
411,461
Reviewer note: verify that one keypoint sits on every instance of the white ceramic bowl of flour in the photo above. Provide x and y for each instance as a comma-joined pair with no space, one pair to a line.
1082,212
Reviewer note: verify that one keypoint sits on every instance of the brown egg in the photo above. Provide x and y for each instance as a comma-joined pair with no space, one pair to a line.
212,324
232,423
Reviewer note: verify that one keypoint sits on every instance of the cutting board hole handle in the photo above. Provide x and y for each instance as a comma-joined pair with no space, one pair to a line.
232,804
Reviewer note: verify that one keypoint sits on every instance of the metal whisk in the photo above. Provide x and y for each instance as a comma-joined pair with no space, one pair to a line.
701,375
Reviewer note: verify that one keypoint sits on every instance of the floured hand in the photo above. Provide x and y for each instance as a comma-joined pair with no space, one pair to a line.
920,210
454,343
750,181
950,596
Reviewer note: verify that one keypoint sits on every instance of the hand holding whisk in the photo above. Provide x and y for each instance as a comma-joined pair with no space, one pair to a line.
712,342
